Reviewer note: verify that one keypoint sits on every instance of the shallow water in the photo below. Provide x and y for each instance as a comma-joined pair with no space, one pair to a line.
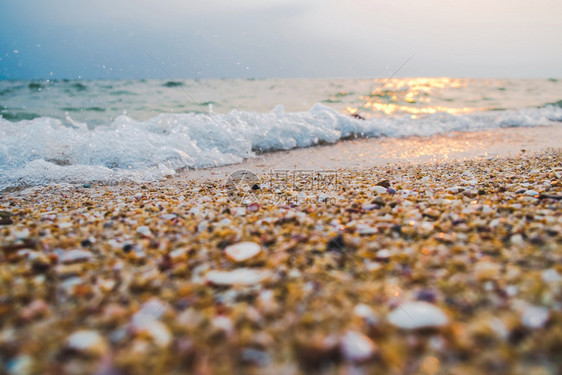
109,131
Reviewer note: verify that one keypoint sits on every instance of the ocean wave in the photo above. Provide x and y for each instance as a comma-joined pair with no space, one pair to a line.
46,150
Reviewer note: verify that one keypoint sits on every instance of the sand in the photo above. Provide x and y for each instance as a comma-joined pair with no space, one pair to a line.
435,265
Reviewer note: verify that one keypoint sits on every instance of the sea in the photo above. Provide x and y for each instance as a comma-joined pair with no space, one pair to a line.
108,131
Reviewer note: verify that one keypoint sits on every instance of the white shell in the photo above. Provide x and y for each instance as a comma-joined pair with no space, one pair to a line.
379,189
383,254
534,316
356,347
418,314
157,330
241,276
242,251
75,256
87,341
365,229
145,231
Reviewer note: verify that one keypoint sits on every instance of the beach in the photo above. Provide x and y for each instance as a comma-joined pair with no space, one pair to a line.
280,188
437,255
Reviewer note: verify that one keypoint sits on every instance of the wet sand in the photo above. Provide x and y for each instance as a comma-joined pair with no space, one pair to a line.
365,153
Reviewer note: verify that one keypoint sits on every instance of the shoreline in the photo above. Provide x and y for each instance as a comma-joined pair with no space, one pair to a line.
371,152
436,267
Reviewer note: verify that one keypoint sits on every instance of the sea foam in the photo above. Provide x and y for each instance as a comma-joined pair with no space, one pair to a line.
46,150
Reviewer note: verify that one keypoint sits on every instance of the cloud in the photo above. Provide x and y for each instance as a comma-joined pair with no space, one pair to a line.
220,38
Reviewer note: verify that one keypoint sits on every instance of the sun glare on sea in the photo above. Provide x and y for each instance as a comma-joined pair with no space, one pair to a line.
412,96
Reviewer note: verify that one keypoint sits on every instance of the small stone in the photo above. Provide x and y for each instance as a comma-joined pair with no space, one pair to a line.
432,213
127,247
178,253
202,226
153,309
356,347
364,311
370,207
379,190
77,255
485,270
365,229
242,251
383,254
88,342
168,216
336,243
156,330
384,183
532,193
240,276
418,314
426,295
145,232
455,189
253,207
223,324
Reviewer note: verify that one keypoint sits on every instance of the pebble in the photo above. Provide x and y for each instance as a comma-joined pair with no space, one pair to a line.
88,342
145,232
485,270
383,254
156,330
223,323
153,309
418,314
202,226
253,207
370,207
356,347
365,229
432,213
364,311
240,276
383,183
72,256
379,189
531,193
242,251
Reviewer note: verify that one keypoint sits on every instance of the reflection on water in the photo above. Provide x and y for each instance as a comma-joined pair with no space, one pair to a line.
419,96
100,102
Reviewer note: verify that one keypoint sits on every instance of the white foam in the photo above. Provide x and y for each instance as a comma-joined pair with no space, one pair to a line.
45,150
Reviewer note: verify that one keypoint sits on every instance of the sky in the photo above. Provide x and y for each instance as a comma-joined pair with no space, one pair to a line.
122,39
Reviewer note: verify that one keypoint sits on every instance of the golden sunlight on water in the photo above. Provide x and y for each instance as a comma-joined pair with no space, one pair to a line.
414,96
